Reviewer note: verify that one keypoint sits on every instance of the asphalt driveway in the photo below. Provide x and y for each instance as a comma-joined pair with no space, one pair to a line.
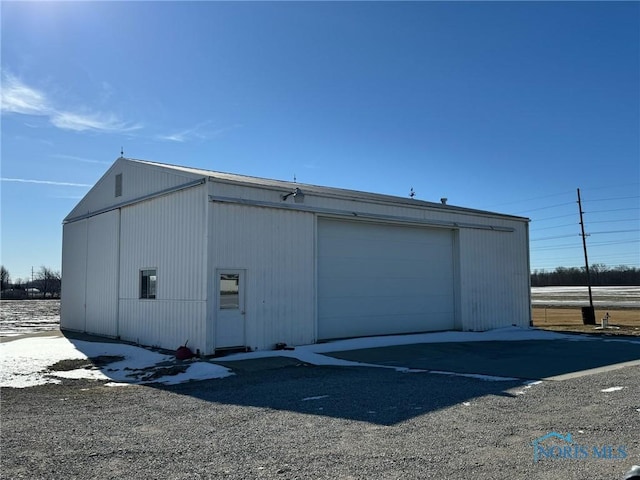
527,359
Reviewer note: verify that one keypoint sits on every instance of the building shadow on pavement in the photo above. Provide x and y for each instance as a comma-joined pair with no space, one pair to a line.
378,396
386,396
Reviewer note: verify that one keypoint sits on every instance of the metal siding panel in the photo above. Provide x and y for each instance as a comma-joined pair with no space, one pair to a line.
74,275
494,278
102,274
169,234
163,323
276,249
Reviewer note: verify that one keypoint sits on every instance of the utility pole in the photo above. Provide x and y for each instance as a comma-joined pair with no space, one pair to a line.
588,316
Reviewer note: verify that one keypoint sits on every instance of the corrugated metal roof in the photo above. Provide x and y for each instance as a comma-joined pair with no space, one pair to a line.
316,189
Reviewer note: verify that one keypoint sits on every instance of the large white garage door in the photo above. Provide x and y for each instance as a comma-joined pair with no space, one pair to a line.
383,279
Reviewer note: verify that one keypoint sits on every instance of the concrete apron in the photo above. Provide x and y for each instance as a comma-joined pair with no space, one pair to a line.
528,359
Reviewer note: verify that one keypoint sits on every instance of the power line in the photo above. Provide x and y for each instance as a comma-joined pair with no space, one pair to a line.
556,226
614,210
559,194
553,218
530,199
610,199
559,247
615,231
615,221
545,208
618,255
553,238
564,225
564,246
611,187
614,242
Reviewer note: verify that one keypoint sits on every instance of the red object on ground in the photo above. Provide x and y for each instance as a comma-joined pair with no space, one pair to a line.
184,353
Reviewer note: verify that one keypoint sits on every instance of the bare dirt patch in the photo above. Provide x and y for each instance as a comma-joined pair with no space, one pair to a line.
93,362
624,321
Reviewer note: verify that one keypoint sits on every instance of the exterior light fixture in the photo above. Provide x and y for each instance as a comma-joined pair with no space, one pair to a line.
297,194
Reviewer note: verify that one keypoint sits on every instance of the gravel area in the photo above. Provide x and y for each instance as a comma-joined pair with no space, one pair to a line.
318,422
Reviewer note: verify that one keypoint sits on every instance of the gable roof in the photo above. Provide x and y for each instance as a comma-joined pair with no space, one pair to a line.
314,189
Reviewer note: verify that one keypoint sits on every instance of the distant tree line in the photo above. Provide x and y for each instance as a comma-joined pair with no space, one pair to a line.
600,274
46,283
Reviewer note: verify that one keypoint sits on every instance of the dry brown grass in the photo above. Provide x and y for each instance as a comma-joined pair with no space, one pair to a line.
570,320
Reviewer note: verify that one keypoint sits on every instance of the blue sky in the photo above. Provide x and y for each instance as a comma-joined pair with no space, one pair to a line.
503,106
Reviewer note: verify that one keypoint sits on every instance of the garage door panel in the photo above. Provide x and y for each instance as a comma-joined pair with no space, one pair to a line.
376,279
349,287
357,268
364,325
366,248
388,305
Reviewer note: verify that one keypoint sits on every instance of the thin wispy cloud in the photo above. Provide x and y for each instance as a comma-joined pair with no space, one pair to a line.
45,182
67,197
96,122
62,156
20,98
201,131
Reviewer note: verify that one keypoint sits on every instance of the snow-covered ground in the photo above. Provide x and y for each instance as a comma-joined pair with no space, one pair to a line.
27,361
622,297
18,317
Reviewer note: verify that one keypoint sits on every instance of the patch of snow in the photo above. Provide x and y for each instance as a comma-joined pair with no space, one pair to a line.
86,373
531,383
307,353
577,296
528,384
611,389
488,378
198,371
624,340
318,397
25,363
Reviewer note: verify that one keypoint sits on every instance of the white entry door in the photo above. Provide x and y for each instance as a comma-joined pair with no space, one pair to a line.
230,327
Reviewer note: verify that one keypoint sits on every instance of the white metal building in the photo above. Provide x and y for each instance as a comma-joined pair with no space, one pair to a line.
161,254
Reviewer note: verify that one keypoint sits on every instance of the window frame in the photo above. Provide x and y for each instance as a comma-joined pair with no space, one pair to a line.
230,293
148,290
